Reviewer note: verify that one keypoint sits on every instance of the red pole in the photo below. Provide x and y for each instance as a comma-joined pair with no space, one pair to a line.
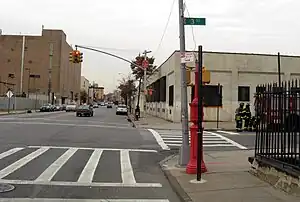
192,165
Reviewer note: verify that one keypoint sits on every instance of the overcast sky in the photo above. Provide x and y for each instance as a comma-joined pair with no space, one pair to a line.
131,26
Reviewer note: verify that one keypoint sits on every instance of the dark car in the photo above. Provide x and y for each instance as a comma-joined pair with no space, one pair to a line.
109,105
84,110
46,108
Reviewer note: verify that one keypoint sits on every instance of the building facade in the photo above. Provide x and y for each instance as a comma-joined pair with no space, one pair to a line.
65,76
238,74
84,84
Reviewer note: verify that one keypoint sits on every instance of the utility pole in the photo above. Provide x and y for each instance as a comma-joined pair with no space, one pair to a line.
184,150
50,73
145,78
22,64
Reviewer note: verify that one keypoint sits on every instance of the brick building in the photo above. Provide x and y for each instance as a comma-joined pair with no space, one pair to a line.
65,76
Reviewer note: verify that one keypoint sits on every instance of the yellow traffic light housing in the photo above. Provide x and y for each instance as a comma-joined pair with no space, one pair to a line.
205,76
80,57
71,57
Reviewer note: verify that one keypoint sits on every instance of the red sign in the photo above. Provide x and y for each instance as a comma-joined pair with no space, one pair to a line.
145,64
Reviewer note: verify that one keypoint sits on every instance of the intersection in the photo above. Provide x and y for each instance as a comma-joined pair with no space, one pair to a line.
60,157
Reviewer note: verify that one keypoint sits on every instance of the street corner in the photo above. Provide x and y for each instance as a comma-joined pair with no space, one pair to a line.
172,171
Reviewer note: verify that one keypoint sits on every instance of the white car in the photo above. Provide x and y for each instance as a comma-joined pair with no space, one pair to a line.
122,109
71,108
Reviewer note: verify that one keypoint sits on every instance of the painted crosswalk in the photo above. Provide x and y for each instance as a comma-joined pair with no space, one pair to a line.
172,139
48,176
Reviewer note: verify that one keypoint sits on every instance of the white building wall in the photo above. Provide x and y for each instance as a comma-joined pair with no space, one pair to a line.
230,70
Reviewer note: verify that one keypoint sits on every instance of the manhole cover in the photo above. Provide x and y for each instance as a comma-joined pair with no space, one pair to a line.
6,188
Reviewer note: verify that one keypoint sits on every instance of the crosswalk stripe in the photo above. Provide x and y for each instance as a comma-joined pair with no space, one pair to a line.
90,168
23,161
10,152
126,168
229,140
49,173
68,183
78,200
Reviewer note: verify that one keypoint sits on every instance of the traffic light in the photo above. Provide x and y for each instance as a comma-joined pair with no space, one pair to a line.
71,57
76,56
80,57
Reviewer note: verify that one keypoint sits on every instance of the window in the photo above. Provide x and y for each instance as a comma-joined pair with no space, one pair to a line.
163,89
171,95
244,93
212,95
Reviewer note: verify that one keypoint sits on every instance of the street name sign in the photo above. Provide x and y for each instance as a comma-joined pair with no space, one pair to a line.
195,21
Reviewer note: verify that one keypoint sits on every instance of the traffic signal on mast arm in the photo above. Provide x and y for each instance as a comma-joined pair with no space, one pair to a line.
72,57
80,57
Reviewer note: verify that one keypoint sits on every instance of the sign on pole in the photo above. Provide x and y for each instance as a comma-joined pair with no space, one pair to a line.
145,64
9,94
195,21
187,57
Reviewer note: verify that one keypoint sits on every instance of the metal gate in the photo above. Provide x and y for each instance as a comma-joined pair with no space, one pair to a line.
277,109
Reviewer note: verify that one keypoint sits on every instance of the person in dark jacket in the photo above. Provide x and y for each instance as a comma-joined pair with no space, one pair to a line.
238,117
247,116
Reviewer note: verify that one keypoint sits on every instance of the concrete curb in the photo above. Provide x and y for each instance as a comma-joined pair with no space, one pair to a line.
183,196
8,114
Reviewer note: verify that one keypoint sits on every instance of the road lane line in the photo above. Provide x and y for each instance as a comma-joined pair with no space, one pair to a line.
106,149
49,173
10,152
78,184
21,162
88,172
67,124
227,132
78,200
159,139
228,140
126,168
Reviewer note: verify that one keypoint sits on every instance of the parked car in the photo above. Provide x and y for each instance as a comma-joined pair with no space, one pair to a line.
46,108
71,108
109,105
84,110
121,110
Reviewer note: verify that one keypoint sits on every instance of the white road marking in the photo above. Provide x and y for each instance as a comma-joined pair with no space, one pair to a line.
229,140
88,172
49,173
78,200
159,139
90,148
126,168
23,161
92,184
227,132
65,124
10,152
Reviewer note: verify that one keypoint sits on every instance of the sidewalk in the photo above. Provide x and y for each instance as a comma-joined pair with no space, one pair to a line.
227,180
158,123
3,113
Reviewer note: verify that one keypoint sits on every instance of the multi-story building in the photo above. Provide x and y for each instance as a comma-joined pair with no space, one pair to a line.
84,84
40,68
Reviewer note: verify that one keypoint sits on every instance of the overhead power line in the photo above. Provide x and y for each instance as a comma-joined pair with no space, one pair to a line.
166,27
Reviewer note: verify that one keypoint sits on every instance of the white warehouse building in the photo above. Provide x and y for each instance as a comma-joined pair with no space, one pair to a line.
237,73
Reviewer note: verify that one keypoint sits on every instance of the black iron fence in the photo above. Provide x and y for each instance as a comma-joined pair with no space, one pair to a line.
277,110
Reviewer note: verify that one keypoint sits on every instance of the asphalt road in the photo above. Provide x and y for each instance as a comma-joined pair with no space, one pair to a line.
55,156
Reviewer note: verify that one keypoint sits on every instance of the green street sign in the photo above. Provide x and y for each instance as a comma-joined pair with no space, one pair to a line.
195,21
